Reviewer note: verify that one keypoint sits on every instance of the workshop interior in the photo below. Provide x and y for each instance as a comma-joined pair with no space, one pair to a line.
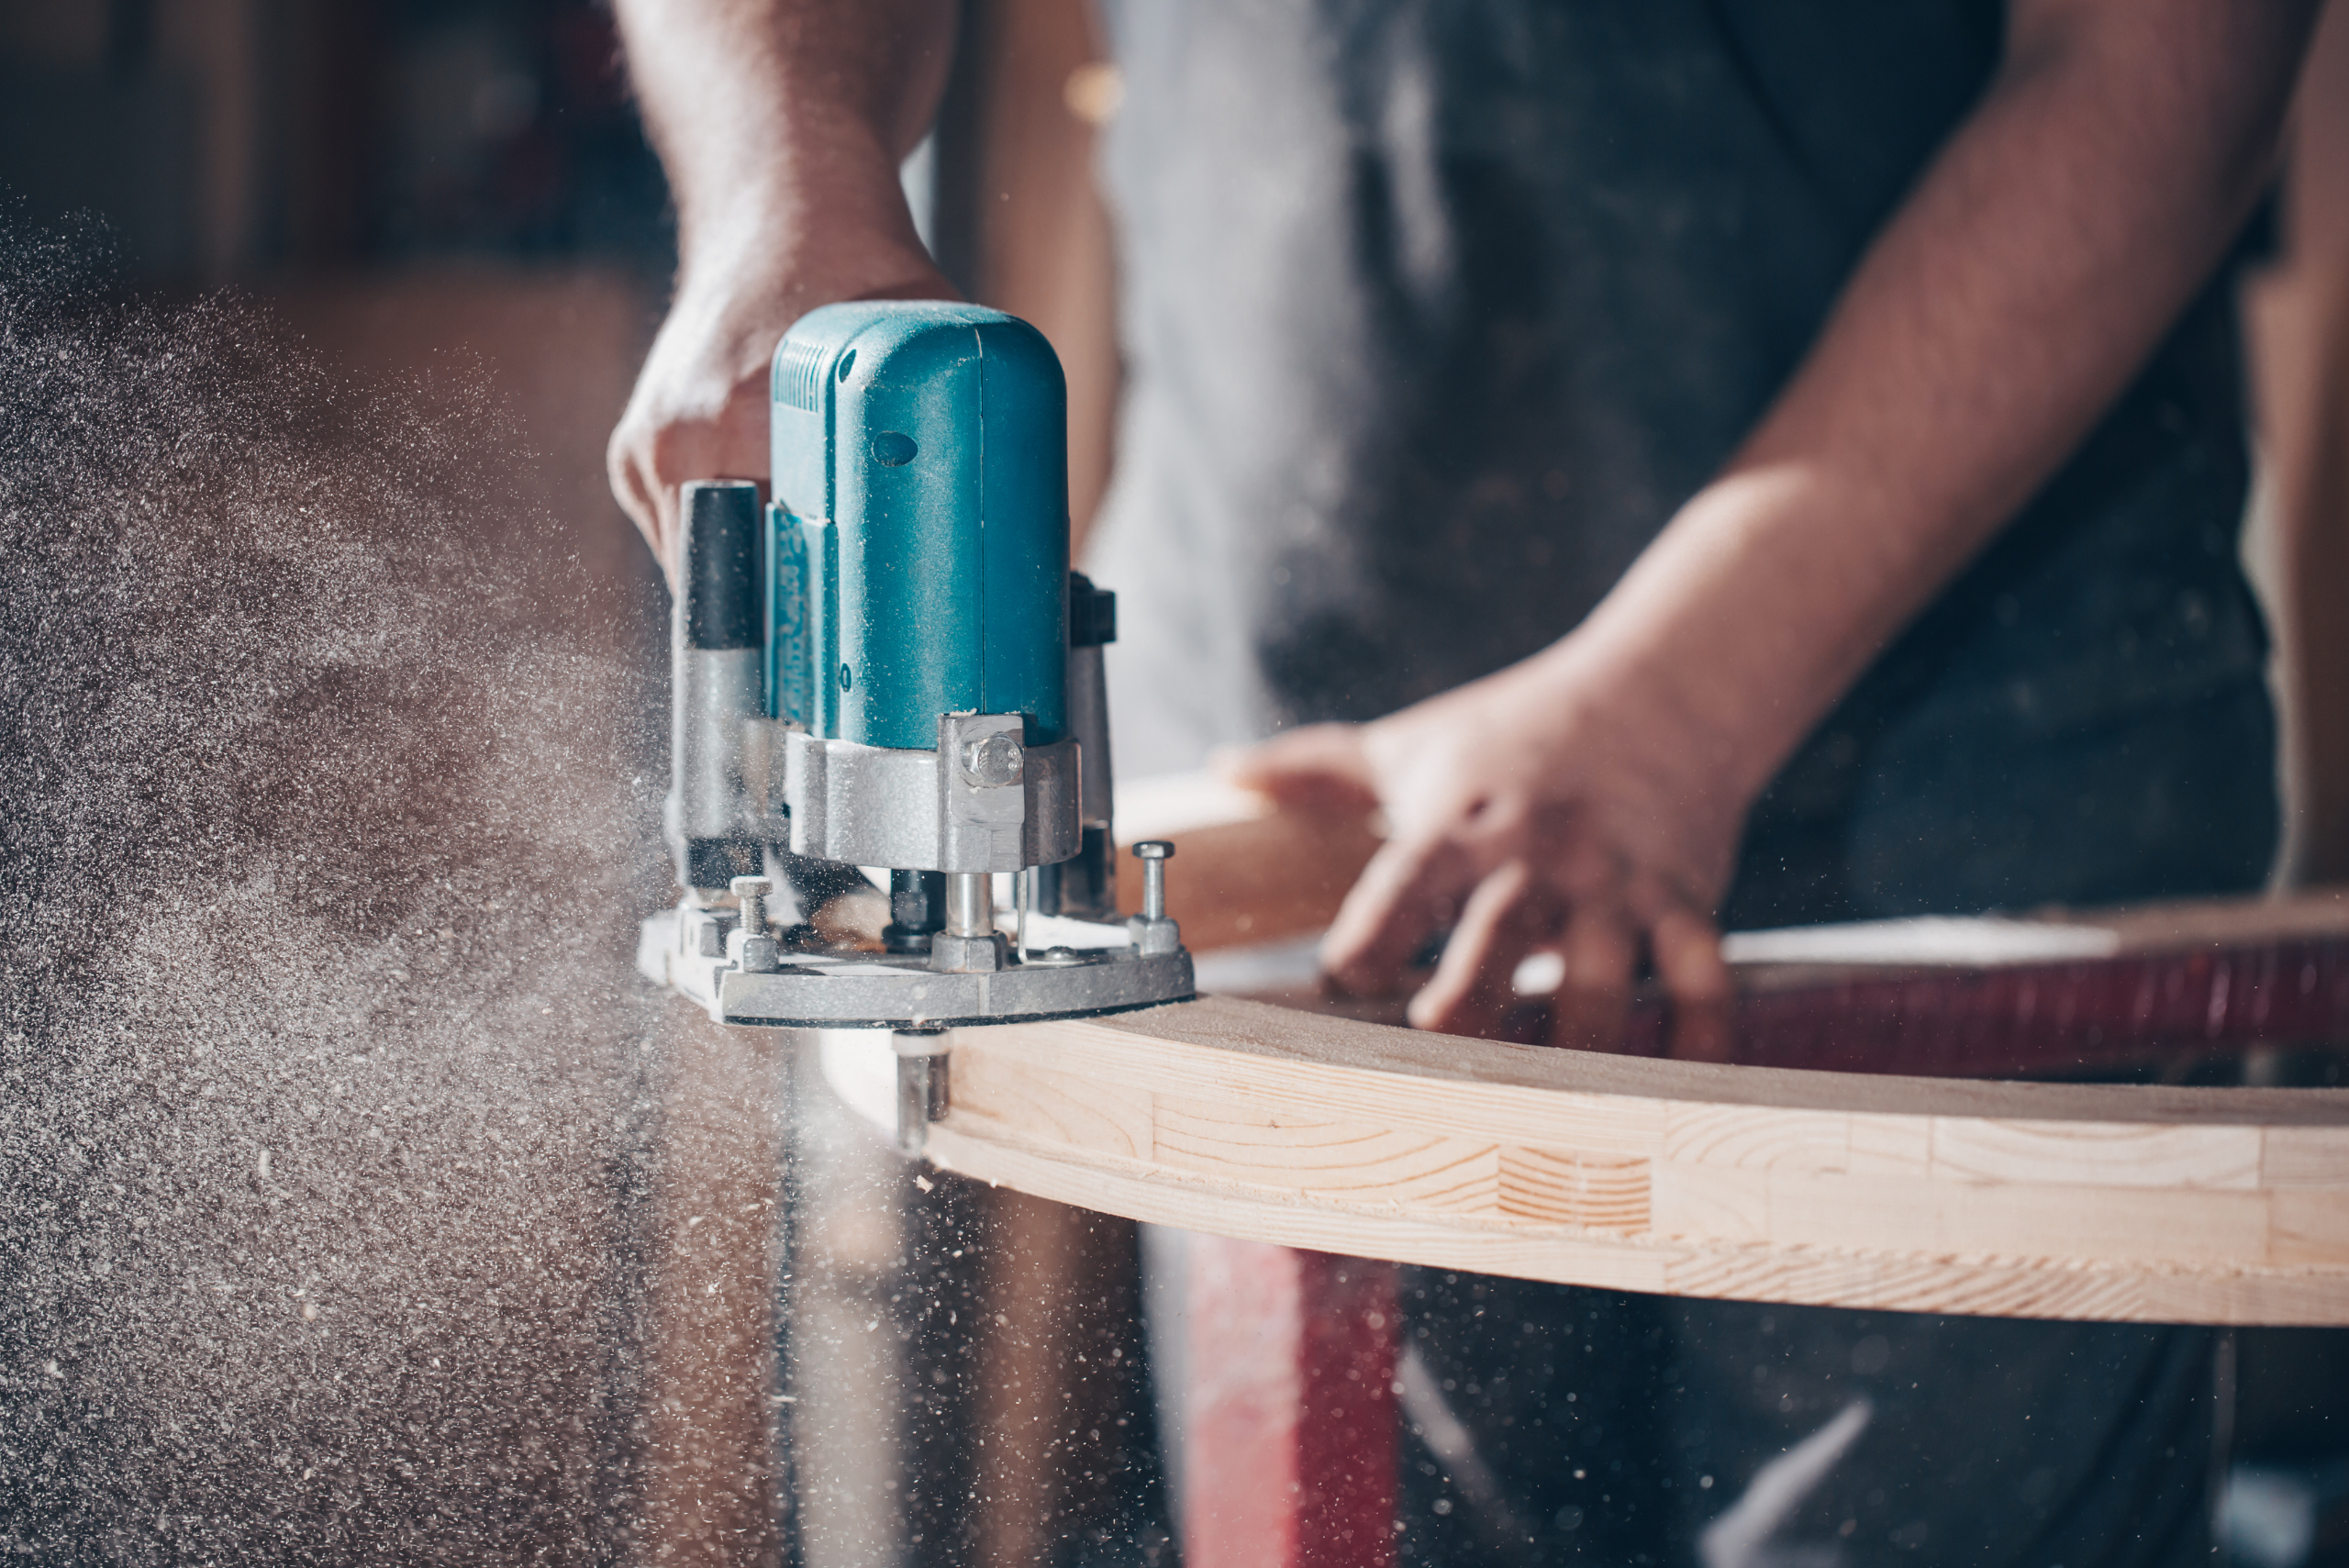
820,1043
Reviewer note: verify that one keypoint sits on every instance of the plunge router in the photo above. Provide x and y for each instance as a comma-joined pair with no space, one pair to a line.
892,667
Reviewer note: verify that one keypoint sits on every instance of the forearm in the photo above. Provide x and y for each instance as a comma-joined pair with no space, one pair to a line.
2021,285
782,123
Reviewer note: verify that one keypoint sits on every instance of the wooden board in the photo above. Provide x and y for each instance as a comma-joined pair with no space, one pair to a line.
2217,1206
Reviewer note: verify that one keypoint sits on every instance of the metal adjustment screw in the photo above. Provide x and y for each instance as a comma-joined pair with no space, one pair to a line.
760,954
991,762
1152,932
1153,853
970,944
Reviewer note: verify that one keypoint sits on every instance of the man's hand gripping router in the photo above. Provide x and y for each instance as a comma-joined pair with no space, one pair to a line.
782,125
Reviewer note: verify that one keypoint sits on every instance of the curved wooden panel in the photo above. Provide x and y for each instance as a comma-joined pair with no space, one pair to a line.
2215,1205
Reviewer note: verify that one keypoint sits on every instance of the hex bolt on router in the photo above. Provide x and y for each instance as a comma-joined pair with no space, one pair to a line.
970,944
991,763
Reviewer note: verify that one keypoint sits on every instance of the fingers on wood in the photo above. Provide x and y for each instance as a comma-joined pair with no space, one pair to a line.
1599,936
1509,914
1688,952
1405,897
1599,950
1321,765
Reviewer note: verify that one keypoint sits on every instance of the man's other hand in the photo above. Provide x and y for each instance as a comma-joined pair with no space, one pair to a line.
700,410
1541,810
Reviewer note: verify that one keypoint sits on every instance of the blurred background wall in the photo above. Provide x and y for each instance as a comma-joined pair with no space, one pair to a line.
229,139
421,187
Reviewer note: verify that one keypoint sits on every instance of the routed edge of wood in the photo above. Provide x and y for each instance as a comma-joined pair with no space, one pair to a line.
2024,1200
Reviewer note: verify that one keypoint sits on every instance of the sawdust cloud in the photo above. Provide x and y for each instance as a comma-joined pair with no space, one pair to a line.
326,805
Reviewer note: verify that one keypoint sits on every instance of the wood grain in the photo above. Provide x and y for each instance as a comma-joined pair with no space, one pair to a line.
2221,1206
